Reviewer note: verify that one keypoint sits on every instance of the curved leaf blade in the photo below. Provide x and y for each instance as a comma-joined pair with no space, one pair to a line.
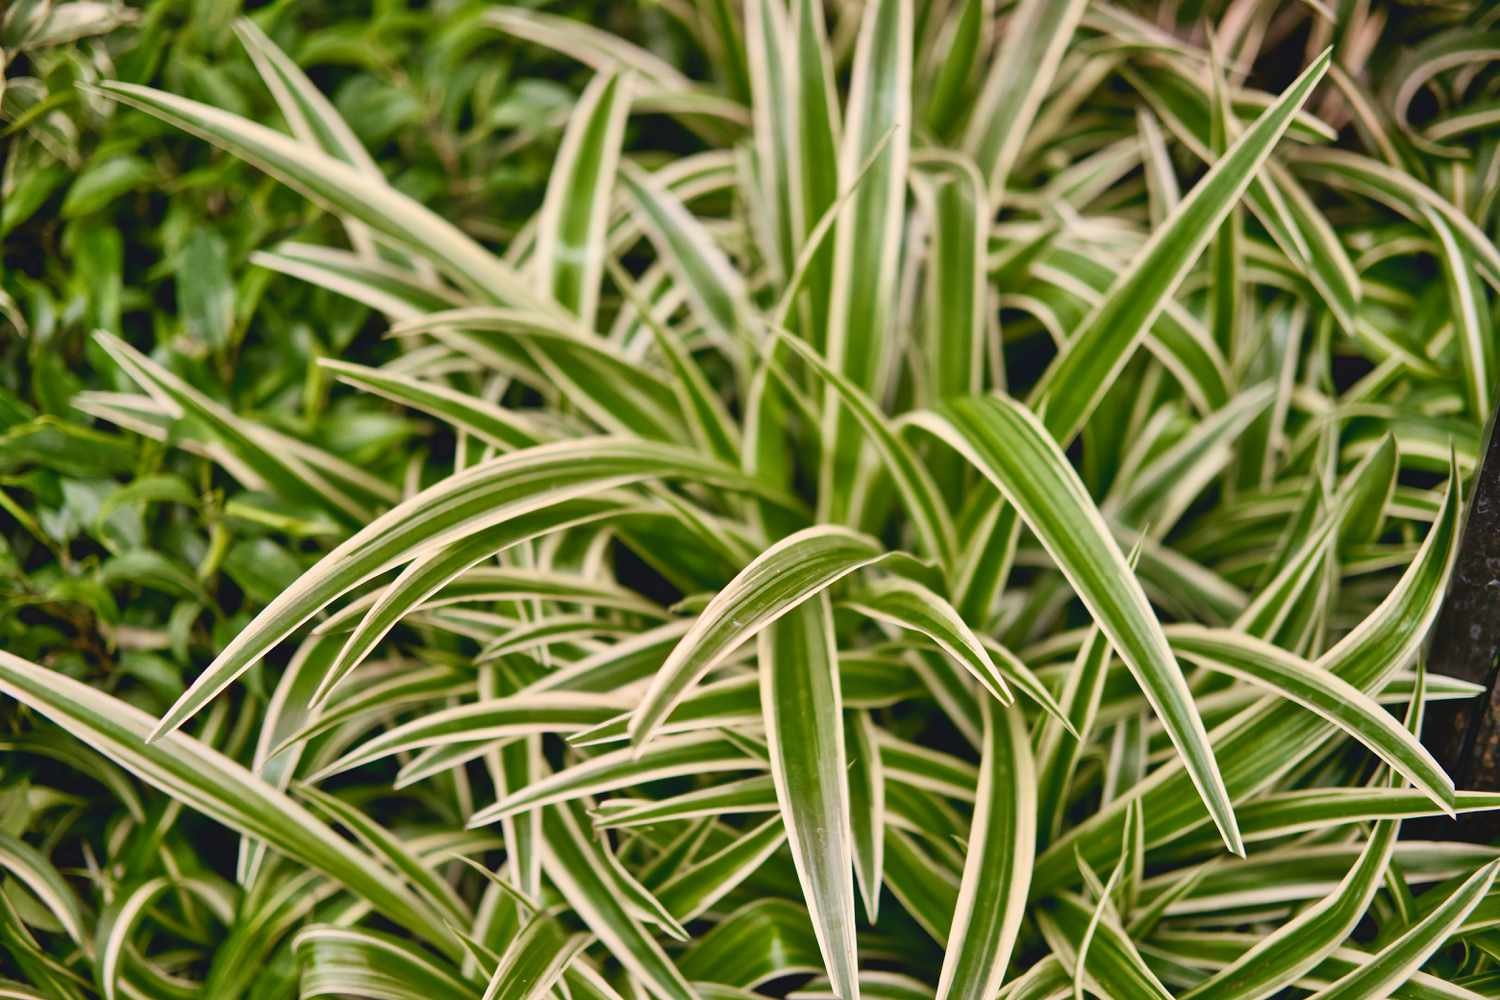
997,872
805,734
796,568
1010,446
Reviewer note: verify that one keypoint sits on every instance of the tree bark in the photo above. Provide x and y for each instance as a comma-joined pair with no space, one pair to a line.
1465,643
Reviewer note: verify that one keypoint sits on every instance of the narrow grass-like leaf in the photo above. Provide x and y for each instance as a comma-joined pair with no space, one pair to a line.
690,892
1282,957
926,891
599,49
398,294
867,811
805,733
934,523
1266,738
342,960
1403,193
956,294
954,65
344,189
428,574
573,862
1164,488
1074,383
1114,967
393,690
1333,698
867,242
1057,754
761,941
768,49
113,931
665,757
518,488
1269,196
1018,79
1103,906
30,868
1226,253
1176,338
383,844
816,143
1285,814
712,426
716,289
259,449
906,603
748,795
997,870
41,969
1394,963
205,780
781,578
614,391
534,961
570,251
1011,447
639,899
1368,494
312,117
1471,315
277,755
506,429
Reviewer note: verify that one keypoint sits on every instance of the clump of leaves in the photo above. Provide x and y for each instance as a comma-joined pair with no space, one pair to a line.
944,510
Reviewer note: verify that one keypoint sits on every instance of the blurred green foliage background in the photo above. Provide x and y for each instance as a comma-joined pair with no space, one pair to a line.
128,558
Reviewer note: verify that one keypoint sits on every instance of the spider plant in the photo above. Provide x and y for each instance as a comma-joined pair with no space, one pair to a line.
945,509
